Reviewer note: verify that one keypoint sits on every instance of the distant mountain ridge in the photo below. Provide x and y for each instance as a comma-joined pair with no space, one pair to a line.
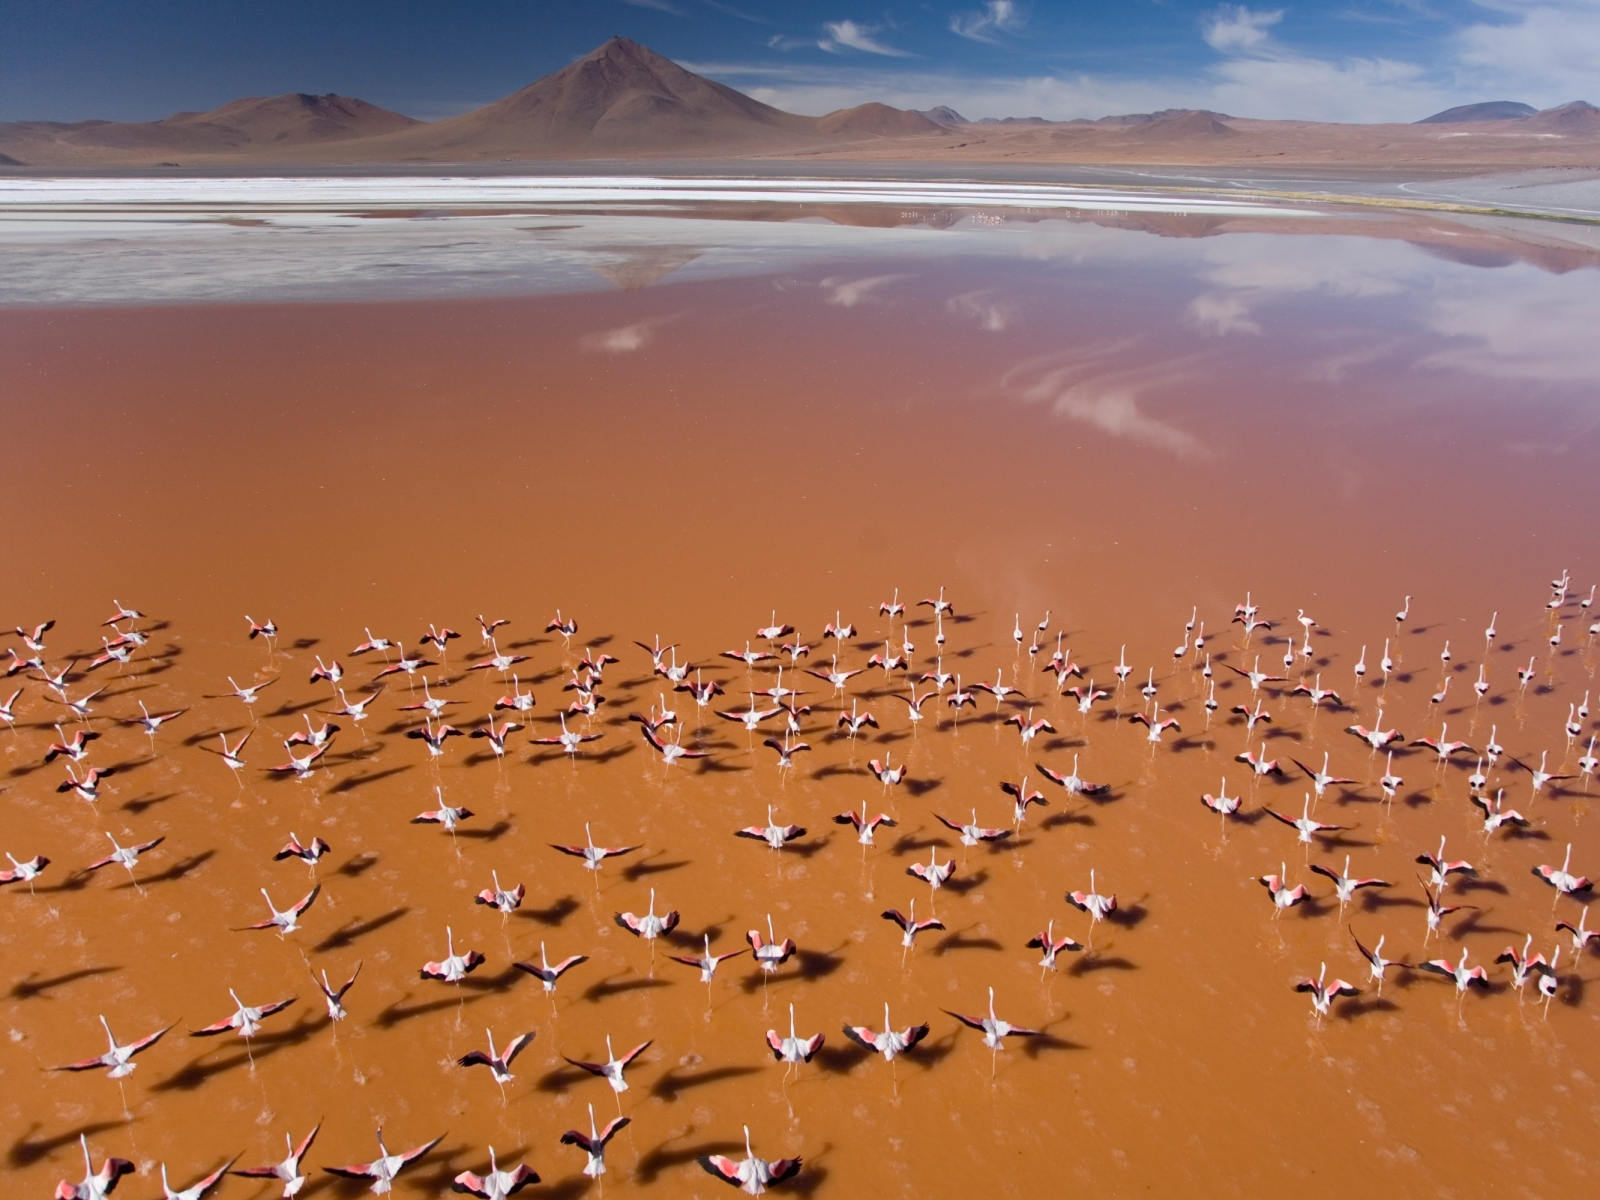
1489,110
625,101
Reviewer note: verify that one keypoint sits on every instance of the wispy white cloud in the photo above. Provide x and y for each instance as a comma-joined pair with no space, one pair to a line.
1220,314
665,6
1233,27
1081,385
622,340
990,314
849,35
847,293
997,17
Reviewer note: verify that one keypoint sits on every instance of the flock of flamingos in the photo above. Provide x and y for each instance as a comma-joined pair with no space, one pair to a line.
783,691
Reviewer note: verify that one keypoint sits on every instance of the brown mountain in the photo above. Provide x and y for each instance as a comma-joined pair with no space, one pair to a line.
878,120
1574,118
622,97
1189,126
271,123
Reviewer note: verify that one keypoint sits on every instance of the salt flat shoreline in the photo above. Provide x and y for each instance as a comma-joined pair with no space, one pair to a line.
1564,193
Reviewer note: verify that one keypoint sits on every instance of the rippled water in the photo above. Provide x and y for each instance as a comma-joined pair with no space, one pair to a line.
675,421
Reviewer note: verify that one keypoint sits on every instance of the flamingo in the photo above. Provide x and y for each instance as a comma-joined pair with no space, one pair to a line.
887,775
1580,935
1458,972
1222,804
1304,824
498,1062
332,996
1495,814
769,952
87,786
1524,965
994,1030
751,1175
383,1169
443,815
1092,902
497,1184
910,926
612,1070
591,854
1345,885
1321,780
864,825
96,1185
1377,964
246,1019
649,927
287,921
1565,883
594,1143
1052,946
496,734
118,1057
794,1049
287,1170
547,974
1022,797
356,710
501,899
1441,868
124,856
1283,896
517,701
198,1189
1324,994
973,833
708,962
934,873
1074,786
30,869
453,968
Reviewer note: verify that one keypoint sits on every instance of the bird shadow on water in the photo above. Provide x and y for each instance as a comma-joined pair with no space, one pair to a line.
554,915
492,834
908,843
646,866
1129,916
960,885
197,1071
653,1162
27,1149
347,933
960,941
616,985
172,873
145,803
1092,962
1046,1042
1057,820
358,865
30,987
355,781
1354,1007
675,1082
558,1081
841,1059
399,1012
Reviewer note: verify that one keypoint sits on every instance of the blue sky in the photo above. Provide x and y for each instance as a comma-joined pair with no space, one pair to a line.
1351,60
